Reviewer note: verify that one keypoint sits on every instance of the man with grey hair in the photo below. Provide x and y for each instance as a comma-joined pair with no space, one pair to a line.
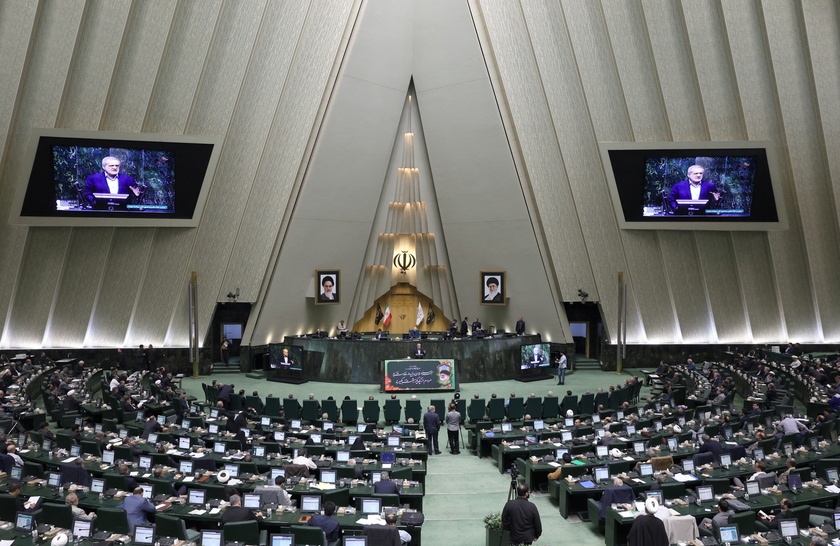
237,512
110,182
431,424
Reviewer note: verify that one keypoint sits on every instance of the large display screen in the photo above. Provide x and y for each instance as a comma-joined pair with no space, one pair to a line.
535,356
419,375
711,185
115,179
285,357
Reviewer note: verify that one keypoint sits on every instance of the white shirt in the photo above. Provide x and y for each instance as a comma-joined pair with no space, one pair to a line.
113,184
695,191
306,461
562,364
114,383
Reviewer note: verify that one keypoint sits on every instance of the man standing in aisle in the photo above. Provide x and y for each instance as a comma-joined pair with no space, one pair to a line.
521,518
453,427
562,362
431,424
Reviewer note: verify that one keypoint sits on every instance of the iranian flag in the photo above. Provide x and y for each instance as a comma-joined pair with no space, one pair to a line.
387,320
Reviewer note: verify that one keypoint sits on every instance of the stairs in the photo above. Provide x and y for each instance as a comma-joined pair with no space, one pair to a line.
583,363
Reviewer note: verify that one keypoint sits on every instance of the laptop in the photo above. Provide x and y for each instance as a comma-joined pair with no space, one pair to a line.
729,534
211,538
144,534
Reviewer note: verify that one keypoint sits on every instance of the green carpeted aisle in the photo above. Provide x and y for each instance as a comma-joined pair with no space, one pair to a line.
460,489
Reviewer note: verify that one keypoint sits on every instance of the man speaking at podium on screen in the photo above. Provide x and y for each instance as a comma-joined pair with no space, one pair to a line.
110,181
693,189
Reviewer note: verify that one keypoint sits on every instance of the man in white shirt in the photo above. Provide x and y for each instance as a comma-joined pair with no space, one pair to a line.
562,362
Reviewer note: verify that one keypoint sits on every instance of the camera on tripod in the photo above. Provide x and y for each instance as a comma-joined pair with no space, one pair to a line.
514,472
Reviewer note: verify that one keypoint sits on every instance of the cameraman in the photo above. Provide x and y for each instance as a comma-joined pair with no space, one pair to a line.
521,518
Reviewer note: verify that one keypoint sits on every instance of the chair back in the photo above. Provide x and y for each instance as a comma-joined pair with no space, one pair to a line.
475,411
684,528
170,526
296,470
310,410
516,409
113,520
350,412
383,535
802,515
272,407
745,522
370,411
533,407
392,410
413,410
551,407
60,515
308,535
242,531
291,408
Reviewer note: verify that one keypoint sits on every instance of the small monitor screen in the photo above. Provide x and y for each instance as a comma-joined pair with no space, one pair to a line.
727,432
688,465
145,462
214,414
185,467
259,451
655,495
657,425
328,476
316,438
388,457
560,452
265,421
53,479
251,500
361,427
375,477
758,454
602,473
602,452
393,441
183,443
342,456
788,449
144,534
815,442
327,426
123,433
639,447
97,428
533,356
81,528
705,493
213,428
753,487
596,418
836,520
788,528
170,419
539,424
352,439
681,421
246,432
211,538
197,496
97,485
600,432
310,503
631,430
219,447
566,436
152,438
23,522
108,457
15,473
275,472
795,481
619,415
79,421
282,540
46,445
147,490
568,422
371,506
279,436
507,427
355,541
646,469
295,423
233,470
75,451
831,474
729,533
672,444
726,459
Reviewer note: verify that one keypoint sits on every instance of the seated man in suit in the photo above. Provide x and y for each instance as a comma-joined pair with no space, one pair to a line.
385,485
328,523
709,527
237,512
137,507
768,522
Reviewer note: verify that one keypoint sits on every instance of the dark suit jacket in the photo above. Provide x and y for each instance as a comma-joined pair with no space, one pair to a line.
681,190
419,353
386,486
96,184
238,513
431,422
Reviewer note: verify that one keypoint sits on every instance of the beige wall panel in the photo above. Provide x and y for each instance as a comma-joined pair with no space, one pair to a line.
254,122
723,287
124,269
758,285
94,58
134,77
637,70
713,67
649,288
308,76
181,67
686,286
164,279
756,82
81,276
675,65
42,260
37,101
814,192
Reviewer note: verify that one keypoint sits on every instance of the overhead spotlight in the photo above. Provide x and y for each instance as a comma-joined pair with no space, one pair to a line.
582,295
233,296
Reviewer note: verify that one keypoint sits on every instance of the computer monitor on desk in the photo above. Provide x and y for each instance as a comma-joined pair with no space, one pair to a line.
602,474
81,528
753,487
602,452
729,534
705,493
688,465
789,528
282,540
211,538
672,444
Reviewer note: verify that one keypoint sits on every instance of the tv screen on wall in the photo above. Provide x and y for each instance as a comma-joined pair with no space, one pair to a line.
709,185
115,179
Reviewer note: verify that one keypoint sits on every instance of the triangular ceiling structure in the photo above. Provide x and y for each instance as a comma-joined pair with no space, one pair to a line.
484,213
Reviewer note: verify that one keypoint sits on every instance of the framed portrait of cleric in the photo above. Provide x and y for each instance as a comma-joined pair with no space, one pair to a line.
329,287
493,288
